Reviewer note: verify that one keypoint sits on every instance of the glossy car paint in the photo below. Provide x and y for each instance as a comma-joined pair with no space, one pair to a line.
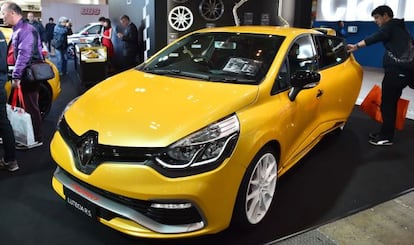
139,109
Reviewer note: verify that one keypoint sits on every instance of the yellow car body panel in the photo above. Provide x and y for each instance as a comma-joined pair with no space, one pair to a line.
143,110
188,98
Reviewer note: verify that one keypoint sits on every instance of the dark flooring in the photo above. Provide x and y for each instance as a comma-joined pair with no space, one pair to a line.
341,176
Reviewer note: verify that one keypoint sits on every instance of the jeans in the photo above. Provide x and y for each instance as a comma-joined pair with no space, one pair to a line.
62,60
6,130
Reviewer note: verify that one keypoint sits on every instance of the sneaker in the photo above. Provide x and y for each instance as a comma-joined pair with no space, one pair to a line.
26,147
380,141
373,136
11,166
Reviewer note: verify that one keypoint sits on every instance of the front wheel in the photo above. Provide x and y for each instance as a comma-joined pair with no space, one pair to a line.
70,51
257,189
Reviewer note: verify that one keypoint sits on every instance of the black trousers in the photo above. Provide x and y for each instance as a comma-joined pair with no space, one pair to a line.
392,85
6,130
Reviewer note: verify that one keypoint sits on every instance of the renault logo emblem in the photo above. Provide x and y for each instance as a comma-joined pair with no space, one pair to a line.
86,148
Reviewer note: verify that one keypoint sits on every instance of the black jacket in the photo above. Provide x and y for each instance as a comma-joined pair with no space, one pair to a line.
130,39
395,38
3,60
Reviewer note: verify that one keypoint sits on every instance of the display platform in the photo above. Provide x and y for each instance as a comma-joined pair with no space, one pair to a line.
342,175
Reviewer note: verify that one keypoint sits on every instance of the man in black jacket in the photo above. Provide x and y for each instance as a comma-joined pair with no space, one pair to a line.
130,42
395,38
39,27
6,131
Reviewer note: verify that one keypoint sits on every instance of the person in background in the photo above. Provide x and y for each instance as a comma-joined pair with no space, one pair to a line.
395,38
39,27
8,161
341,30
23,42
130,42
101,20
106,39
60,42
50,27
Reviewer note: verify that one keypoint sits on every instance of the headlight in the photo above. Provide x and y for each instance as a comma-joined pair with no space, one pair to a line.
202,147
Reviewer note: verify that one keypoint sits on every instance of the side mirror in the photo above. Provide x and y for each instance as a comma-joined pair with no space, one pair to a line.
303,80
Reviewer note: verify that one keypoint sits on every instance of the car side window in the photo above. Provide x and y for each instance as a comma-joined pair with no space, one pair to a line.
94,30
332,50
282,80
306,54
301,56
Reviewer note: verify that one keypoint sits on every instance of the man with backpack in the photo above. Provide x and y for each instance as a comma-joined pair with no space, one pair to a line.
60,43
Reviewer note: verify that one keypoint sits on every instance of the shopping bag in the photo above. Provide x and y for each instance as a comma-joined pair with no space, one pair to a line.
20,120
371,106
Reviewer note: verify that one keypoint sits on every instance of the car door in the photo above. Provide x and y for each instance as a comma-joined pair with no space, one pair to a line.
336,86
298,117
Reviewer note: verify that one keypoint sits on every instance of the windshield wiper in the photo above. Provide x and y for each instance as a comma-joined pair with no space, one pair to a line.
232,80
176,72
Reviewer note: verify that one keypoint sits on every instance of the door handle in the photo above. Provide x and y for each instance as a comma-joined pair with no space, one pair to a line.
319,94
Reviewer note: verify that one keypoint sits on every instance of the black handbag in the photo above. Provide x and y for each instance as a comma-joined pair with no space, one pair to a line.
39,70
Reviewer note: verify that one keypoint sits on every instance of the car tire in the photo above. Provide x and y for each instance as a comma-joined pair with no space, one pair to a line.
45,98
70,51
260,179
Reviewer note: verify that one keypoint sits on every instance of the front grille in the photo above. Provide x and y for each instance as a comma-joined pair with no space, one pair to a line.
163,216
139,155
122,154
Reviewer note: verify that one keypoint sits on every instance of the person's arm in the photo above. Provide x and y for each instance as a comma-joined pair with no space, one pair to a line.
356,46
3,60
24,51
379,36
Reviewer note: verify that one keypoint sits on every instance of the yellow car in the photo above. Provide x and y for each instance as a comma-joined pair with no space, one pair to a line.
49,90
195,138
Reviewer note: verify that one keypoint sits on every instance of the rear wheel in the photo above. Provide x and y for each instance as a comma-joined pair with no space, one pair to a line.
45,99
257,190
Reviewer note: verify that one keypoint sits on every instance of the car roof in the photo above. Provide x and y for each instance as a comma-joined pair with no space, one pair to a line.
289,32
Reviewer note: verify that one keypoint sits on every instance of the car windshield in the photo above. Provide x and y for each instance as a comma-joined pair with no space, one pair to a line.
217,56
82,28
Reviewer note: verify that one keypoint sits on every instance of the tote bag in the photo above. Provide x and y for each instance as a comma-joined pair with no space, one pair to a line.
20,120
371,106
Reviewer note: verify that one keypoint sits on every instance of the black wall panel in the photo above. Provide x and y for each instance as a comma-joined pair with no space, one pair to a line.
157,32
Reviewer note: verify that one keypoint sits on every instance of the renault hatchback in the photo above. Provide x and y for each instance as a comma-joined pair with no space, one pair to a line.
195,138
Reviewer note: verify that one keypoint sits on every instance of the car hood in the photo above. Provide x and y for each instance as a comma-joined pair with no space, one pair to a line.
145,110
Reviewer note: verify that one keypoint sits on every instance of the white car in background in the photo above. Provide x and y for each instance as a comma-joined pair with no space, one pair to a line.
88,33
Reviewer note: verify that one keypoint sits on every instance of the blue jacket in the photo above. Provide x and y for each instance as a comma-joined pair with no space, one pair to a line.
23,41
61,32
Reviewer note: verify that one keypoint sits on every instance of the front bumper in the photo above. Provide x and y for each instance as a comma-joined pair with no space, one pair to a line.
117,215
127,196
